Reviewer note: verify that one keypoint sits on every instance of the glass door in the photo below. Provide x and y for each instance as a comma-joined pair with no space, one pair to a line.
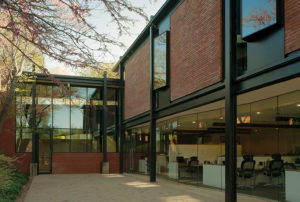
45,160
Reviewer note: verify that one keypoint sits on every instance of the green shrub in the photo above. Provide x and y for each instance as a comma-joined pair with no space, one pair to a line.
11,181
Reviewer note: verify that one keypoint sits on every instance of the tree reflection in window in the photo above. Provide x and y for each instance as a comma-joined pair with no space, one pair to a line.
258,15
160,61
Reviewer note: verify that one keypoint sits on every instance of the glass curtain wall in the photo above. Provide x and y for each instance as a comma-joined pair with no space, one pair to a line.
112,119
136,150
23,118
191,148
74,118
269,133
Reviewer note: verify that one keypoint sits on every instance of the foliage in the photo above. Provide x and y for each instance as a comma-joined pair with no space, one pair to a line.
98,72
58,29
7,170
11,181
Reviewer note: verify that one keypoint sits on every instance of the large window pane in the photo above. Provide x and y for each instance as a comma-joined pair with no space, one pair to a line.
160,61
94,104
61,140
79,111
23,140
24,105
111,106
93,143
44,106
257,15
61,108
270,138
78,141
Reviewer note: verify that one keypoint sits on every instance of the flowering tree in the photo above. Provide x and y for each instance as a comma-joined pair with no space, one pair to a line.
58,29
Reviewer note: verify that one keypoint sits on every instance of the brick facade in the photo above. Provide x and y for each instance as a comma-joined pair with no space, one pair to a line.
195,46
83,162
137,82
7,142
292,25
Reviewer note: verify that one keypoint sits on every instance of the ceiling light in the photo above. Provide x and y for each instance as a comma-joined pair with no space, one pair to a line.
194,122
258,113
298,105
221,117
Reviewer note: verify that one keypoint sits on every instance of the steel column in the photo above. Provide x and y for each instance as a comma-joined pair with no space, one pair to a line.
230,101
152,112
121,118
105,117
33,121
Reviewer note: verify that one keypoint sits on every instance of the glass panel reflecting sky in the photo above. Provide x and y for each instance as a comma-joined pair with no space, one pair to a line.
160,61
78,105
257,15
61,109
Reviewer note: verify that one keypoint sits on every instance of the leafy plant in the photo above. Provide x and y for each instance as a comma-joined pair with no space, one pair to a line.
11,181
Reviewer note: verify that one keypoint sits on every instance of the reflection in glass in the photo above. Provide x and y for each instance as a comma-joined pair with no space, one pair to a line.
160,61
257,15
61,109
44,106
93,143
111,142
94,107
270,135
79,112
192,145
61,140
24,105
112,106
78,141
23,140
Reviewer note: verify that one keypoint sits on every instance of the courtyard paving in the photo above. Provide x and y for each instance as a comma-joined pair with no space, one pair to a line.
116,187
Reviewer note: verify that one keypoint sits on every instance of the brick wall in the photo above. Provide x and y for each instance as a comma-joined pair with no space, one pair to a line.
195,46
292,25
83,162
137,82
7,142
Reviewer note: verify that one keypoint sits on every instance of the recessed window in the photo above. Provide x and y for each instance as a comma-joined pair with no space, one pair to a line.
258,15
160,60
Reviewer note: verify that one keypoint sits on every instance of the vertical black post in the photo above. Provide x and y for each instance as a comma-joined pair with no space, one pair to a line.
121,112
152,112
230,101
33,120
105,117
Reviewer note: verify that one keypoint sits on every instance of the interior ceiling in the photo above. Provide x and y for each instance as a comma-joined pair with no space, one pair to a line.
249,97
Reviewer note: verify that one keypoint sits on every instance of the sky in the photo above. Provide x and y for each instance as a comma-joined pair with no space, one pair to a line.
103,25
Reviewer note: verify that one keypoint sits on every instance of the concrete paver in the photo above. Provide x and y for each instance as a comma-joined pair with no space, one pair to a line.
116,187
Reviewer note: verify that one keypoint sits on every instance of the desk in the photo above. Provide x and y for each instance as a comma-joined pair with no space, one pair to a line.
292,184
214,175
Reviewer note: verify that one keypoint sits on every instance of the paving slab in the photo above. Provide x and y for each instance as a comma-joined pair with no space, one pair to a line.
116,187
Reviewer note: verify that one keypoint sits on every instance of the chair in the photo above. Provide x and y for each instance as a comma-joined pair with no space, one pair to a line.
192,164
275,167
247,168
180,159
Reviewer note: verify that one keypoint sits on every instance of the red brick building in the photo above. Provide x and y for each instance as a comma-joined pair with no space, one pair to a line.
209,95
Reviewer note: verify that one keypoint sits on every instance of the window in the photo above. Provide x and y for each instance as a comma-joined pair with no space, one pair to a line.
160,60
257,15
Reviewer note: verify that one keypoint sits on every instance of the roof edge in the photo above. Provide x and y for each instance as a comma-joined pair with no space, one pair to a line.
162,12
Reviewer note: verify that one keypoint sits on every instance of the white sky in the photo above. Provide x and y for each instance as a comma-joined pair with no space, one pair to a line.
102,23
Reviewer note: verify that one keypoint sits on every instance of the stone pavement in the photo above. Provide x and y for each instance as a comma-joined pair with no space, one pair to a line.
116,187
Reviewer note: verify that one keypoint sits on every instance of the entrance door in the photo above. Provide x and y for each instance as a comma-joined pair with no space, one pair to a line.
45,160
